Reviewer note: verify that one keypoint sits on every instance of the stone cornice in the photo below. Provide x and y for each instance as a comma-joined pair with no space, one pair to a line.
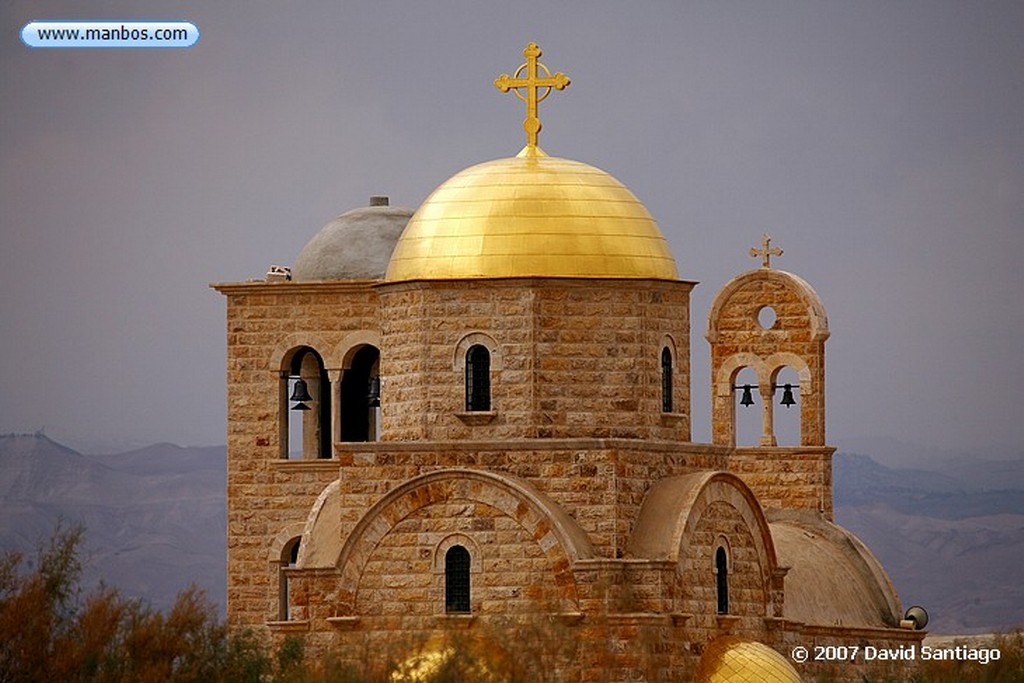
867,632
775,451
311,465
606,563
681,447
292,287
532,281
296,626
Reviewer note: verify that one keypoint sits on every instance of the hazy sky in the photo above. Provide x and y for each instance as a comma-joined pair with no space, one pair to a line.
880,143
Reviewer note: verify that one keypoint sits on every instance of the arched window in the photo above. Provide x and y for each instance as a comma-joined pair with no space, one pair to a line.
722,580
666,380
478,378
456,580
289,558
359,399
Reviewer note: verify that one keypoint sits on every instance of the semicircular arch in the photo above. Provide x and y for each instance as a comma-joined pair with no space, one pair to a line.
557,534
345,351
472,339
281,354
815,308
674,507
776,362
727,371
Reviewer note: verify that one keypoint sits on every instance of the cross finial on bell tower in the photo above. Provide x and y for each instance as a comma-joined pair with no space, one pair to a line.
766,251
533,84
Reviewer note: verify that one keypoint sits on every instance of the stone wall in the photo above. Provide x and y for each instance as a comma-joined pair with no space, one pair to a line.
787,477
601,483
572,358
510,573
545,489
720,525
265,321
631,619
598,373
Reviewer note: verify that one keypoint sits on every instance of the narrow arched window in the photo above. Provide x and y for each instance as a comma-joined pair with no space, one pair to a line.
666,380
478,378
456,580
289,558
722,576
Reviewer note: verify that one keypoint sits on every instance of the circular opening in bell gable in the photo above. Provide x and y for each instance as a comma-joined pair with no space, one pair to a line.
766,317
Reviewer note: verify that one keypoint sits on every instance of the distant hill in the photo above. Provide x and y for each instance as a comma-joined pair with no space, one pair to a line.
947,542
950,536
989,468
920,492
154,518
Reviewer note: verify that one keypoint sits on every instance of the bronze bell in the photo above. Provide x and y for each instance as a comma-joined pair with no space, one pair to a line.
301,391
787,396
374,393
747,398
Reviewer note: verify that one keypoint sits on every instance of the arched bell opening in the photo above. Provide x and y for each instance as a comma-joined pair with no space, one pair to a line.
359,396
305,406
747,407
788,408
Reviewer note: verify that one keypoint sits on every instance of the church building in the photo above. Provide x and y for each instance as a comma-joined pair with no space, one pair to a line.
472,420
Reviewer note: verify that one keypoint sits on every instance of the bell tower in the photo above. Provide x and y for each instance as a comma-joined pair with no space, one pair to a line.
769,320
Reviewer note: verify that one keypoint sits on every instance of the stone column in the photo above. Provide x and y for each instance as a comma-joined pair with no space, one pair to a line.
767,420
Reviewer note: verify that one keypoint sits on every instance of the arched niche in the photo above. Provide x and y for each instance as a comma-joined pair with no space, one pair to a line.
687,519
560,538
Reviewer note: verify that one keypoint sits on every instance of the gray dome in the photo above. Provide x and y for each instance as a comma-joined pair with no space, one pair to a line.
356,245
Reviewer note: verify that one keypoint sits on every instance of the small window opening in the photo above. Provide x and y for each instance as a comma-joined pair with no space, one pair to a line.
456,580
289,558
722,576
767,317
478,378
666,380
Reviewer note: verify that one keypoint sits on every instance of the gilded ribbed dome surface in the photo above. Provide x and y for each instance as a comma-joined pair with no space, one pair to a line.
730,659
531,215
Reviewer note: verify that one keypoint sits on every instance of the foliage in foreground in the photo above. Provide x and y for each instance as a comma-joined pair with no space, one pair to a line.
49,632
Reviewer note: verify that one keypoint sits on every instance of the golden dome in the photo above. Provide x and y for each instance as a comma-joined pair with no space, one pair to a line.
531,215
443,658
730,659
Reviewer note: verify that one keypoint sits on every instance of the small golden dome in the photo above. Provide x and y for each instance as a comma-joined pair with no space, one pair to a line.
443,658
730,659
531,215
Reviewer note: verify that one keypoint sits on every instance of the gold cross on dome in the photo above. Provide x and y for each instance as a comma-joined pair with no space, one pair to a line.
533,83
766,251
